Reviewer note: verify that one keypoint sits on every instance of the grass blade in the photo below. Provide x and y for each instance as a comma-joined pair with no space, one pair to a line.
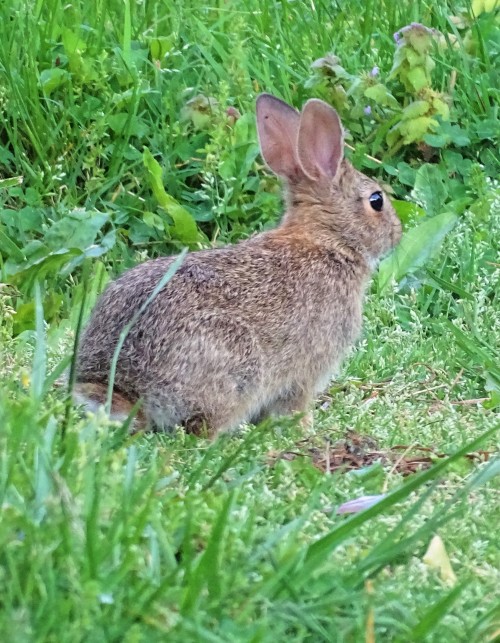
76,341
208,572
435,614
126,330
40,356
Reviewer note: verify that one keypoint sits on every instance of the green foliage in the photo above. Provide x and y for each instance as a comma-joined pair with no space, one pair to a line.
97,89
418,245
183,225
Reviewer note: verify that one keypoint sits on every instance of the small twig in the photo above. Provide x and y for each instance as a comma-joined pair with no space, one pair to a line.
455,381
184,163
430,389
395,465
327,457
372,158
478,400
431,370
375,385
117,192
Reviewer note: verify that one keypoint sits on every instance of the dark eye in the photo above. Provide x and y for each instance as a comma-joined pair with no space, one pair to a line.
377,201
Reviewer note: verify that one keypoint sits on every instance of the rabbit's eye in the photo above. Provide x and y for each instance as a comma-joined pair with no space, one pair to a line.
377,201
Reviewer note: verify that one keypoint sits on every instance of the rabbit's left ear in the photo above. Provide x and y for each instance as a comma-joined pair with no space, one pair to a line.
320,146
277,126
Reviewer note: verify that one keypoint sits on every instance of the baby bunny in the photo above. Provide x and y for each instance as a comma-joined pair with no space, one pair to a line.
258,328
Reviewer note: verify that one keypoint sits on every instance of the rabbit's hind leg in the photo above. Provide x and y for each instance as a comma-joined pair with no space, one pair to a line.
221,409
210,425
289,402
215,377
93,395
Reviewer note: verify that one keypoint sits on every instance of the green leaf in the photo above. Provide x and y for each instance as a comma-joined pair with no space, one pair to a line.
415,248
492,470
436,140
407,173
488,129
420,39
436,613
405,209
208,572
38,267
494,400
24,318
440,107
10,249
160,46
78,229
52,79
123,124
184,227
478,350
414,58
390,169
28,219
430,188
127,34
381,95
72,43
418,78
40,355
447,133
437,281
117,122
415,129
153,220
415,109
11,182
44,475
460,140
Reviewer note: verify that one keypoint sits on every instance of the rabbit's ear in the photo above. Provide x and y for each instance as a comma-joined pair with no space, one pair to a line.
278,126
321,140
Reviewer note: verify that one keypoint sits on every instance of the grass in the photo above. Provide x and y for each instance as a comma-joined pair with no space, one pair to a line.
117,537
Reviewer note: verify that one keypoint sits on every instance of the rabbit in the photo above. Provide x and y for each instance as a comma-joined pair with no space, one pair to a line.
258,328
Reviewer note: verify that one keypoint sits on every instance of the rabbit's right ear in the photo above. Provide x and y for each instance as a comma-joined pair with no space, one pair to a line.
278,127
320,141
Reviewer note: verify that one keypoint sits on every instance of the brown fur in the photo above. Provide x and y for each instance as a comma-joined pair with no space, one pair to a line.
93,395
257,328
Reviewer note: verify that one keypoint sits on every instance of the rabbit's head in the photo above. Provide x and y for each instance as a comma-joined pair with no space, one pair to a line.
327,198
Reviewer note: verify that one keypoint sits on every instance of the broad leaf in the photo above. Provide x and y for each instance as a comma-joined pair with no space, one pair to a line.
436,557
78,229
11,182
381,95
9,249
415,129
416,109
430,189
415,248
184,227
52,79
405,209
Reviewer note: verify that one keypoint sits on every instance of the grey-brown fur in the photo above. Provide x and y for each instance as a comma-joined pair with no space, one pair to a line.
257,328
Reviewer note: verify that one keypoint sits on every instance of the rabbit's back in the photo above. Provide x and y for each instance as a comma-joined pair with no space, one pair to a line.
252,314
